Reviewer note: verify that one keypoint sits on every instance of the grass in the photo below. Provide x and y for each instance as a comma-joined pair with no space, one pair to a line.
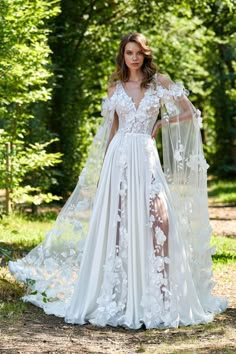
12,311
225,249
20,232
11,308
222,191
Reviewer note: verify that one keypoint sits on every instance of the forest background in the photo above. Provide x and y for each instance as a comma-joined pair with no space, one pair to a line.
55,61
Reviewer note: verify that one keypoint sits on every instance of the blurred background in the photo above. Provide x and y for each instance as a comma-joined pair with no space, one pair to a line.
55,61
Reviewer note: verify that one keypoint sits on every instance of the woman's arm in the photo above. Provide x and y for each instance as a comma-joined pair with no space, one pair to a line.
183,102
115,123
114,128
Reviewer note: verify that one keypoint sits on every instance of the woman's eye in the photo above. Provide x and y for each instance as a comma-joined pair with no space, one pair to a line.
131,53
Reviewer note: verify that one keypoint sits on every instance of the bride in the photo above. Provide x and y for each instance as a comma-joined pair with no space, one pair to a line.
131,245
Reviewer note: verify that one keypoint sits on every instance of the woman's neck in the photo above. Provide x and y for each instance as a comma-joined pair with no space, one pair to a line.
135,75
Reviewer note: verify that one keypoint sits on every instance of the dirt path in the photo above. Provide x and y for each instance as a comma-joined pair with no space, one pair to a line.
35,332
223,219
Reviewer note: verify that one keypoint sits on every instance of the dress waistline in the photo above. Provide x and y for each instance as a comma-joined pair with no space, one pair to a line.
132,133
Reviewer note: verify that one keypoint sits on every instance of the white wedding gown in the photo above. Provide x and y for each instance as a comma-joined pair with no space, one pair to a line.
135,267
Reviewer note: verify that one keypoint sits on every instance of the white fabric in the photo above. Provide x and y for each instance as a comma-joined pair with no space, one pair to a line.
141,256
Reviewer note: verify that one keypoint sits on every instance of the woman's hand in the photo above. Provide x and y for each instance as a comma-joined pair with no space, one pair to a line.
156,127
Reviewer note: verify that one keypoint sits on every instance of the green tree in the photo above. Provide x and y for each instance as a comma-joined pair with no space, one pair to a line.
24,76
219,17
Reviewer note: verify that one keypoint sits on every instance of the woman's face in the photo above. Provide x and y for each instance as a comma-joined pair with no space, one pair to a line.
133,56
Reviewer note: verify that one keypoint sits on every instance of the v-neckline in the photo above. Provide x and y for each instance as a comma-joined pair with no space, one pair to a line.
131,98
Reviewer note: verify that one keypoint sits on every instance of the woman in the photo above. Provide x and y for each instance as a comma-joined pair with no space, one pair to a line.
142,257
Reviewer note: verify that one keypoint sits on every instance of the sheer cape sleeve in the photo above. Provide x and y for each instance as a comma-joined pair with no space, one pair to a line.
185,169
56,261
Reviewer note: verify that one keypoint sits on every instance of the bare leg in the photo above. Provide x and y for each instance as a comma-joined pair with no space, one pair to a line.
159,212
160,231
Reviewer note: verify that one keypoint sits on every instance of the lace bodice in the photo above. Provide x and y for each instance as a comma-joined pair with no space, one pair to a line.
141,119
134,119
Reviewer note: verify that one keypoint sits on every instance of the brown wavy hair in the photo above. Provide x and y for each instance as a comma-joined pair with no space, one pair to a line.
148,68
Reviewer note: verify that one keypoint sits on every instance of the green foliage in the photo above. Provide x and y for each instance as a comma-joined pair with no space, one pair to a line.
219,133
222,191
24,76
23,59
30,176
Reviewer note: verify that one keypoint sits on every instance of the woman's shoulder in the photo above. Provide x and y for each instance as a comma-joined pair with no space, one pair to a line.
112,88
175,88
163,79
